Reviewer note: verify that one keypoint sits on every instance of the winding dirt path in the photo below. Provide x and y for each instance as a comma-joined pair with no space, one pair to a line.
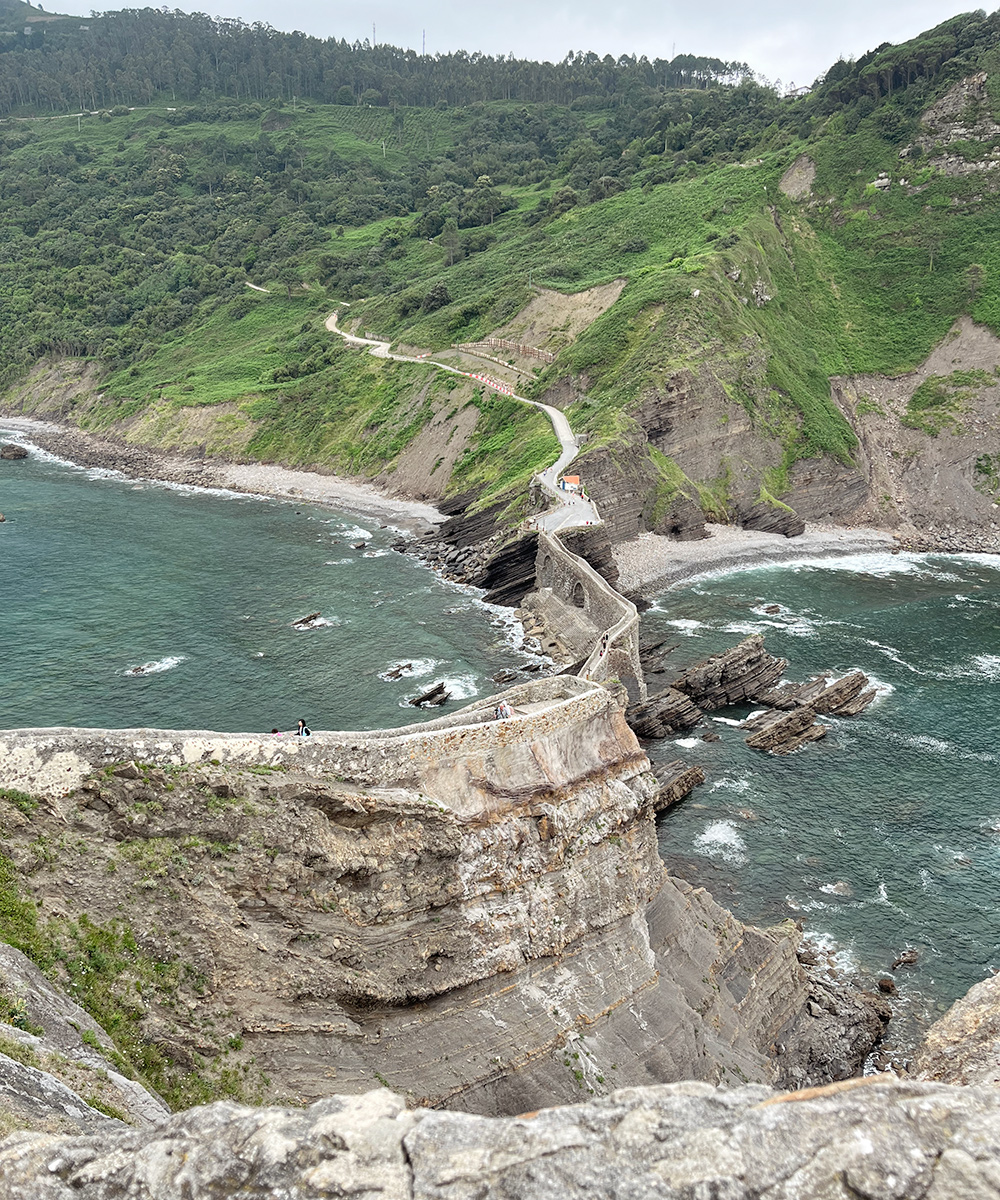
570,509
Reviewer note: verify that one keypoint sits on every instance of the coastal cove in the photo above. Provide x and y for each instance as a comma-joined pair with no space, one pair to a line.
199,588
900,872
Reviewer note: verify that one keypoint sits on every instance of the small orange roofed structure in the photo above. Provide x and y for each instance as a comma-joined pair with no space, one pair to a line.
570,483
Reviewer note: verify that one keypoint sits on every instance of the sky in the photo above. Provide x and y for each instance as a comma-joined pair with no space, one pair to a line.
785,40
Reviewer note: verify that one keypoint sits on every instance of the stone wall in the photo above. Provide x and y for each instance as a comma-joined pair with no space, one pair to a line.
460,759
575,582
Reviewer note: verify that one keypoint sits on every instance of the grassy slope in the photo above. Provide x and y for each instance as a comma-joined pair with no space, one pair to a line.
862,281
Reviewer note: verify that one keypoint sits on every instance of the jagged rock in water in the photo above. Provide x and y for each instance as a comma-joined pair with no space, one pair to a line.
772,518
740,673
677,780
878,1137
843,698
663,714
436,695
12,451
781,733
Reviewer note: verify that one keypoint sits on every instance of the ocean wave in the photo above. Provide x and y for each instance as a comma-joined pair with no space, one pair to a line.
926,743
727,721
843,957
800,627
685,625
376,553
721,839
352,531
688,743
154,668
891,653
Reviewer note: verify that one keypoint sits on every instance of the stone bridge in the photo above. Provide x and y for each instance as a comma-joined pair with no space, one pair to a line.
572,580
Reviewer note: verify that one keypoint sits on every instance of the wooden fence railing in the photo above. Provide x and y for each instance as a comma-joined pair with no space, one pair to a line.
515,347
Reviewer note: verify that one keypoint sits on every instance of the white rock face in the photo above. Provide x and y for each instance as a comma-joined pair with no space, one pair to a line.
879,1139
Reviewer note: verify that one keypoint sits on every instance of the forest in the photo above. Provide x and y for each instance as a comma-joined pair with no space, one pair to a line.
152,163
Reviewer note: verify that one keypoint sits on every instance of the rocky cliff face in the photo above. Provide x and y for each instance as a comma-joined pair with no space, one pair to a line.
880,1140
475,912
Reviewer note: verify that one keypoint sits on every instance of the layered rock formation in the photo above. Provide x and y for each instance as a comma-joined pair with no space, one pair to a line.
474,910
880,1139
964,1046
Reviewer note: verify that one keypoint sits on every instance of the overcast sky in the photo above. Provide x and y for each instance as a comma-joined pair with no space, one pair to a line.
790,40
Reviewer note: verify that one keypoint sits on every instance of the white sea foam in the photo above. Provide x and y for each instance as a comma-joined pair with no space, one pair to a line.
688,743
932,745
687,627
844,958
892,654
375,553
798,627
352,531
416,668
740,785
316,623
154,668
721,839
726,721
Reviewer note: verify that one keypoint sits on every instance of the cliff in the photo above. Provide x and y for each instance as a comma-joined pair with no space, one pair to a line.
474,911
881,1140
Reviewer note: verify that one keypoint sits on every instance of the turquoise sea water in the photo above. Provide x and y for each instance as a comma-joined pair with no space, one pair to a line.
886,834
99,575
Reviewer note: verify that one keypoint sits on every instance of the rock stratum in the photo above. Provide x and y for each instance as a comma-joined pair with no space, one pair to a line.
471,911
878,1140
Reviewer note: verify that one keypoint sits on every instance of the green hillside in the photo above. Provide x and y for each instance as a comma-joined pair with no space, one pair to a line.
128,235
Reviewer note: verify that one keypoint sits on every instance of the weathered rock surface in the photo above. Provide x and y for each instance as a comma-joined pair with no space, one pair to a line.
475,910
772,518
676,779
732,676
34,1099
11,450
663,714
781,733
845,697
58,1056
964,1046
878,1138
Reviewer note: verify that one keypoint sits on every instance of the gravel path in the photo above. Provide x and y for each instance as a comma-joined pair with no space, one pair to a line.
651,563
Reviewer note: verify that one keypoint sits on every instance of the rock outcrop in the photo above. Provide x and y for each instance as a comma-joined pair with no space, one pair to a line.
475,910
56,1061
772,518
878,1138
781,733
964,1046
732,676
676,779
667,712
10,450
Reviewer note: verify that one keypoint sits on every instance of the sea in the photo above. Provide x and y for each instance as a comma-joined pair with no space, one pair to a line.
137,604
884,836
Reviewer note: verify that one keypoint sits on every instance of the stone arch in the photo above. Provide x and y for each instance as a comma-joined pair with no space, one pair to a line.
546,572
579,595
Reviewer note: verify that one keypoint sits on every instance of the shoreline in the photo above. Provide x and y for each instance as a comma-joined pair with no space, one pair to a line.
651,563
88,451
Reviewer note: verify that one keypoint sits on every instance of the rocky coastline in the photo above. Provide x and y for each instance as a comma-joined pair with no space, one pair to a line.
765,1011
